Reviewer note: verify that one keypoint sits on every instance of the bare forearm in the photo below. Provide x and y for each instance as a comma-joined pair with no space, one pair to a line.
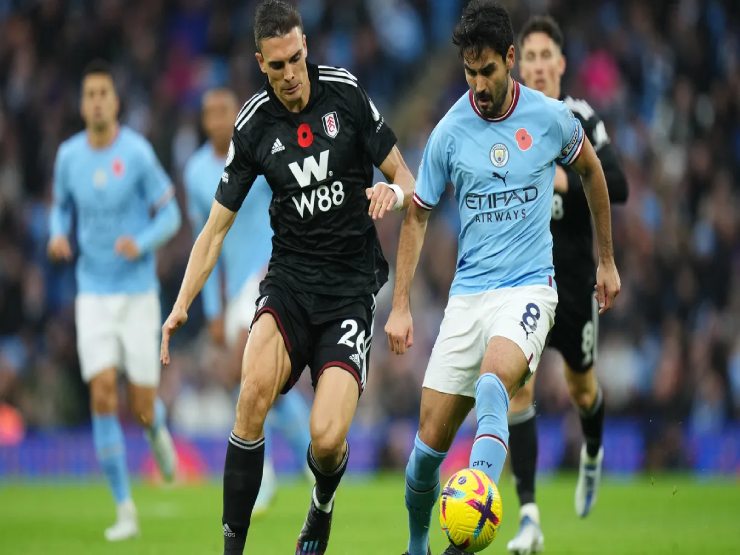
203,258
597,195
409,248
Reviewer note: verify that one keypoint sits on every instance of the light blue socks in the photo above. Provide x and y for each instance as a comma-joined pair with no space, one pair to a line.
492,437
422,490
111,452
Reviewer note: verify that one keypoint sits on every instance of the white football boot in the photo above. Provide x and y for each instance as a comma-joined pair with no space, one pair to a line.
529,538
126,525
268,488
589,477
163,449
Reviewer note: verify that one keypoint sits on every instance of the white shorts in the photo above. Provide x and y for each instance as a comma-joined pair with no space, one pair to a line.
240,310
522,314
120,331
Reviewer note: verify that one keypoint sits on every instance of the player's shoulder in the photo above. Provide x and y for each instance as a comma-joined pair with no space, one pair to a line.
339,83
252,113
335,77
134,141
460,114
581,109
196,160
539,101
73,144
203,152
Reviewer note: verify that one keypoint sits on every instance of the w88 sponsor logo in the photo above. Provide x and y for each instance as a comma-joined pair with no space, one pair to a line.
324,196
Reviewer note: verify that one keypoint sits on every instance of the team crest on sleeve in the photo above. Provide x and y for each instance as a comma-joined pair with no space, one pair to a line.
331,124
499,155
230,155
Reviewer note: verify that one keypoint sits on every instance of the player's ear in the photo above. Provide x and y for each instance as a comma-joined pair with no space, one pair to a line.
510,57
561,65
305,48
261,61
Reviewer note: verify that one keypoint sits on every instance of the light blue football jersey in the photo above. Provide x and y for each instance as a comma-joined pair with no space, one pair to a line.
119,190
502,170
248,245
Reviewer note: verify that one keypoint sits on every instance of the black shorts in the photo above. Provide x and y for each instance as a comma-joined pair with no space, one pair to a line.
576,330
320,331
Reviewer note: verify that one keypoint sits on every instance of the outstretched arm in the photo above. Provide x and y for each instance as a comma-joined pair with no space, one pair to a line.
399,328
594,185
203,257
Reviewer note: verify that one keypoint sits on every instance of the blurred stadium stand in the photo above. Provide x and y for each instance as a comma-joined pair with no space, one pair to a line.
664,75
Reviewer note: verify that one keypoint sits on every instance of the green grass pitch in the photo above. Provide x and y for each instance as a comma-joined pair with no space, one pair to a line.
665,514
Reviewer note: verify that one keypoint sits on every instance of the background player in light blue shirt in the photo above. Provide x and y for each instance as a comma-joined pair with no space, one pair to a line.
242,268
109,180
497,146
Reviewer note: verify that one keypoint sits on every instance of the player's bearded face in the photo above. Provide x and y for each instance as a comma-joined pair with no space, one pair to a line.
99,105
283,60
488,77
542,64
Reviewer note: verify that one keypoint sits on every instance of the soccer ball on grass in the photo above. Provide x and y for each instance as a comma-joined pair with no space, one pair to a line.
470,510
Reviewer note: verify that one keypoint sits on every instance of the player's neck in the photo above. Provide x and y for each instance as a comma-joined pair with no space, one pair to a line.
221,149
102,138
509,98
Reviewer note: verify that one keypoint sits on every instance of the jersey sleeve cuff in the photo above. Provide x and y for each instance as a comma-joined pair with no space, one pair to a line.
575,151
421,203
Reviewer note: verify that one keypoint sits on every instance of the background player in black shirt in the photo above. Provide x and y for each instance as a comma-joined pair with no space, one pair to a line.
574,335
315,135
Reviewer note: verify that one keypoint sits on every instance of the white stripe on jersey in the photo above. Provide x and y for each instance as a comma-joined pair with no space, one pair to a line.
579,106
368,343
248,106
337,79
337,71
245,119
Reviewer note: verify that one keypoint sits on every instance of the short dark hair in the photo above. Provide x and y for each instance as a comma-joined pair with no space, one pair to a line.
483,24
97,66
542,24
275,18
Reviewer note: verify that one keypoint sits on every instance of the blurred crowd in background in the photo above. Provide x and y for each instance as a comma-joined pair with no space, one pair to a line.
664,76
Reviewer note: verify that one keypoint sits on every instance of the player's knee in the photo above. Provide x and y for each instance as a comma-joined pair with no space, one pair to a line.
143,412
582,394
327,440
103,398
523,399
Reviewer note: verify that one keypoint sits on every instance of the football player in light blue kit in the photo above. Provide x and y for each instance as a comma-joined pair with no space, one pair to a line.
243,269
110,180
497,146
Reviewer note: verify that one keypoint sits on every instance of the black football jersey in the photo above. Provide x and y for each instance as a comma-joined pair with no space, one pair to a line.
573,255
318,163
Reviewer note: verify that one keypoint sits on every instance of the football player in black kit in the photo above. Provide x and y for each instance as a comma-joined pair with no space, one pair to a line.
315,135
574,335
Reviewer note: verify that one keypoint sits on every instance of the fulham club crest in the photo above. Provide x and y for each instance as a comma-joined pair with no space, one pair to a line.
331,124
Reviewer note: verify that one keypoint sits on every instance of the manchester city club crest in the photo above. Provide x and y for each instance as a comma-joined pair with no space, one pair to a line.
499,155
331,124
